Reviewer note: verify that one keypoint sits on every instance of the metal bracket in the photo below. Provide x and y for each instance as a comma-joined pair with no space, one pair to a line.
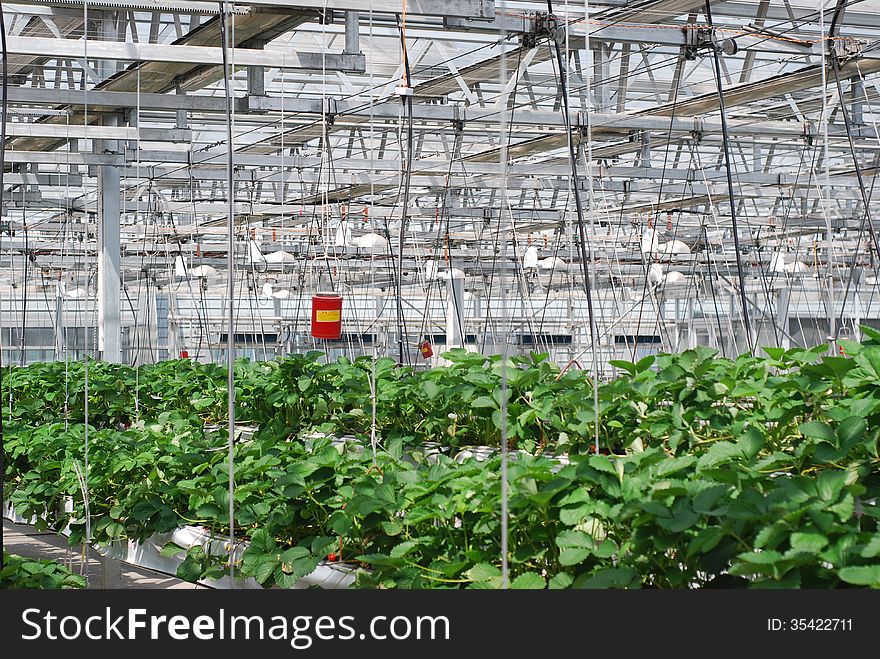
458,117
809,132
580,123
695,38
698,130
535,26
330,110
844,48
702,38
547,24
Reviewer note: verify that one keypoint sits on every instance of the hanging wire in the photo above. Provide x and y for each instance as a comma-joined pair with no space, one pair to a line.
228,73
572,158
4,105
593,324
733,200
503,161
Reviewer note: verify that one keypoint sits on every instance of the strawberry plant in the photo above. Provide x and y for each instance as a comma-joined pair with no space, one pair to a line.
21,573
751,472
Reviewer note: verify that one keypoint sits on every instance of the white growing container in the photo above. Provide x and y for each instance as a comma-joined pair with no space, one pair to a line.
148,554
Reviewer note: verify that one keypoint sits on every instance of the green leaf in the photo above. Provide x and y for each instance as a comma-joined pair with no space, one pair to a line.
293,554
616,577
170,550
751,442
528,581
262,542
719,453
808,543
602,463
872,549
560,581
830,483
401,550
189,570
629,367
573,516
851,430
672,465
431,389
484,572
819,430
264,568
573,555
572,538
392,528
862,575
645,363
683,519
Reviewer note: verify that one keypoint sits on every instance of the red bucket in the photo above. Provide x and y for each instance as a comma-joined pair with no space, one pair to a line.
327,316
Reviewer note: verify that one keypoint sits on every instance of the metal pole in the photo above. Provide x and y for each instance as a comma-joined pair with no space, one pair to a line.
352,33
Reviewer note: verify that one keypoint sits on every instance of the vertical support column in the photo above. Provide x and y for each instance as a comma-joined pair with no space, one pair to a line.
645,154
256,81
602,76
256,75
182,119
108,223
352,33
692,330
59,322
677,327
454,312
782,299
166,328
108,263
857,92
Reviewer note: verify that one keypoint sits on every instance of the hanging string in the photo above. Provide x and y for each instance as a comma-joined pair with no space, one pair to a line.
3,109
503,161
228,73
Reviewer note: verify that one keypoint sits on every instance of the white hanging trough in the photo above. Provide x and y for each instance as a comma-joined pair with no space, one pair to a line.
552,263
204,272
778,264
371,241
651,245
279,257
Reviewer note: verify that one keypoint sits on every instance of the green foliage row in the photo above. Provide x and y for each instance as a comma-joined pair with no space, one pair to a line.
754,472
21,573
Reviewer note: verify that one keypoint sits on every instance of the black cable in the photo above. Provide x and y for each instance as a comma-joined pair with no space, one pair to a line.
572,158
725,137
401,323
712,289
3,109
24,299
